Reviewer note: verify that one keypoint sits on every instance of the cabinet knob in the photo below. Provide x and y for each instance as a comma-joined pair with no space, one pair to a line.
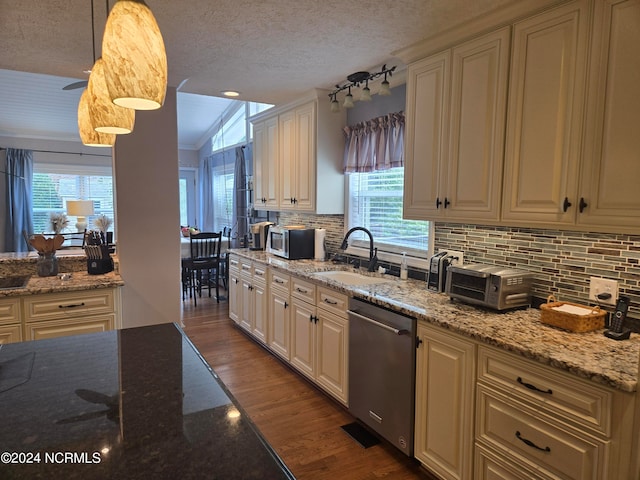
566,204
438,202
286,304
582,205
446,202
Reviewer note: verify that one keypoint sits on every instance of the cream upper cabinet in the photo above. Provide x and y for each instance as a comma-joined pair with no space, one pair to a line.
456,103
445,385
545,114
299,150
611,164
426,124
265,165
296,130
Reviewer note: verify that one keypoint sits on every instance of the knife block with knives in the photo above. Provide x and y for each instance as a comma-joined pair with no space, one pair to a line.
99,260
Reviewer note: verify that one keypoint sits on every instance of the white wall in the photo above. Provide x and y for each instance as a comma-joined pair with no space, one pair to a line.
146,179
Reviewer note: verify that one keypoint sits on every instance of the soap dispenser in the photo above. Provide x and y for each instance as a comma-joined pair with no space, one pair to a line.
404,272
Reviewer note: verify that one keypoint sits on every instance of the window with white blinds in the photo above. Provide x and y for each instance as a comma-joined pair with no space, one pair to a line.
54,184
222,197
375,202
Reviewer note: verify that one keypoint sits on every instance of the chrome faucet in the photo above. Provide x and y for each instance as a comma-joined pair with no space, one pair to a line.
373,253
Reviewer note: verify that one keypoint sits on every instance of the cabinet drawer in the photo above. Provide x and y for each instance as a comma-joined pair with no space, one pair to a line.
69,304
234,262
9,311
259,271
578,402
66,327
536,440
246,266
10,333
332,301
303,290
493,466
280,280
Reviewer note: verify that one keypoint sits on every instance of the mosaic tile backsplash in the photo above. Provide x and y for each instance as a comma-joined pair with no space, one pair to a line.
561,261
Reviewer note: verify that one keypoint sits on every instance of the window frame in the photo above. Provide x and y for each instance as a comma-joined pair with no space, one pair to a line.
417,258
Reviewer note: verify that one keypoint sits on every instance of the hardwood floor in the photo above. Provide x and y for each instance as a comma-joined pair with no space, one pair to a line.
300,422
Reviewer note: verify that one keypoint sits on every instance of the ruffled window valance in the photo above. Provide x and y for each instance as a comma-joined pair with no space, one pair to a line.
376,144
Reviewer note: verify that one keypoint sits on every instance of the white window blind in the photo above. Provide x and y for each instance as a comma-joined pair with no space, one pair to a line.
222,197
375,202
54,184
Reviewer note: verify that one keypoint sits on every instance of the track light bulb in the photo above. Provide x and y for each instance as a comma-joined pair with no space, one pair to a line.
348,100
365,96
384,88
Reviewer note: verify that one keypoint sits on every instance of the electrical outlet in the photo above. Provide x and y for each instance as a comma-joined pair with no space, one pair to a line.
460,256
599,286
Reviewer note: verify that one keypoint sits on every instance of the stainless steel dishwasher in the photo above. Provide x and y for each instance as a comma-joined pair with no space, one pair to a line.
382,365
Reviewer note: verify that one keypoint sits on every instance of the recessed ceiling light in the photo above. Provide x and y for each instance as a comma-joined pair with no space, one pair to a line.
230,93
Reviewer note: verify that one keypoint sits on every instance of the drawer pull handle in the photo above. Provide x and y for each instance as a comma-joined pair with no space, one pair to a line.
72,305
277,280
530,443
533,387
301,290
330,302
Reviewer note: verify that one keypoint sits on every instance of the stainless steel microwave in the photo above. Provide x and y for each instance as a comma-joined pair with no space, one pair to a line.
294,243
500,288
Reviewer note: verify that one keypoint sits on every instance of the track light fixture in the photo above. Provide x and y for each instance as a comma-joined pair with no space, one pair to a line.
355,80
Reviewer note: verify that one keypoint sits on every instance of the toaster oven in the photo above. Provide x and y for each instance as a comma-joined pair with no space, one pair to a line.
491,286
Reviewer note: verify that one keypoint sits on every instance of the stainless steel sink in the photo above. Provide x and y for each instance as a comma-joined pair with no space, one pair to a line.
351,278
16,281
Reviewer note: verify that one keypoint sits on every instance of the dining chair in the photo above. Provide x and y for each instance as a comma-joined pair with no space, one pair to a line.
204,263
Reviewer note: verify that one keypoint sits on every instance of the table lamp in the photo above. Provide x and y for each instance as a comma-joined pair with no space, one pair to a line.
80,209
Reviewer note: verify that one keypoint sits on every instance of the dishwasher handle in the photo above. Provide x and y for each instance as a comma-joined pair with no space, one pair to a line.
378,324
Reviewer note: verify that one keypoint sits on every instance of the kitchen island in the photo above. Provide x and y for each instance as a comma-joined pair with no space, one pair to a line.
135,403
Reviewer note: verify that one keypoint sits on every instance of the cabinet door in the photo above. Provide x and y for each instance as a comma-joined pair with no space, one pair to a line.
265,164
544,116
477,128
333,354
444,403
288,160
303,336
260,309
246,302
296,129
305,192
234,296
279,309
611,171
426,127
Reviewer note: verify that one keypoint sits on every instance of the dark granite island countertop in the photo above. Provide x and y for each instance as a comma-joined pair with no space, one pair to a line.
137,403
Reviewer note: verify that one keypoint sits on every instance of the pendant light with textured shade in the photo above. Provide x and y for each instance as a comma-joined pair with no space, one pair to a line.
106,117
88,135
134,55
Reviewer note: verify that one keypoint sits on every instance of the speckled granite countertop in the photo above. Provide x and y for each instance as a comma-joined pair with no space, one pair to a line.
588,355
72,275
136,403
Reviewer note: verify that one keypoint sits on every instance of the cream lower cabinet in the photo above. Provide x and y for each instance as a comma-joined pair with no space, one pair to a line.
278,336
10,321
70,313
445,384
319,336
253,299
234,289
534,421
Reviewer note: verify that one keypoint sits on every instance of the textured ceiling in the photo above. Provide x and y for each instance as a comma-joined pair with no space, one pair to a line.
271,50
